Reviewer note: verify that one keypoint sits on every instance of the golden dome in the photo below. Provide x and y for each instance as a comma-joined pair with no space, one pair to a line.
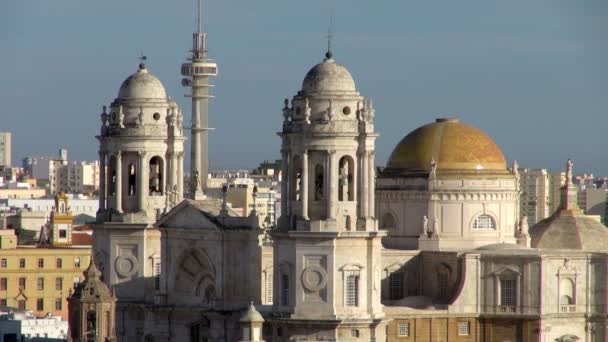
453,146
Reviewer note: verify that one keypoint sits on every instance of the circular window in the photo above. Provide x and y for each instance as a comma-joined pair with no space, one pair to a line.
156,116
346,110
298,110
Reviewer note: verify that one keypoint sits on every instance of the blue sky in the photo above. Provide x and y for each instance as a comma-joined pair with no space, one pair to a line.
531,74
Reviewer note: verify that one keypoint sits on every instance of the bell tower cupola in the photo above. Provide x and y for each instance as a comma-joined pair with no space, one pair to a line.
141,152
327,246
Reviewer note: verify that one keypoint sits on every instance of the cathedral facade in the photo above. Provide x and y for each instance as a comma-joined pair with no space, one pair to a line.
429,248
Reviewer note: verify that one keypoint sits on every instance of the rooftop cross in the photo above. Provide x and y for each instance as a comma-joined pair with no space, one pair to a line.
142,58
330,35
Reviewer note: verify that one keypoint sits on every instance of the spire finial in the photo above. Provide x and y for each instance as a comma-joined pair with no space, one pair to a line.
142,58
330,34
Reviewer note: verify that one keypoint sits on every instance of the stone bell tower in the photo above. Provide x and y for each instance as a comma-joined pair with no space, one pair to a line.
92,309
141,152
327,248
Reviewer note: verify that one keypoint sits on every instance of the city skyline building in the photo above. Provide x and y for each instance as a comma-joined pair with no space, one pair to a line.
6,149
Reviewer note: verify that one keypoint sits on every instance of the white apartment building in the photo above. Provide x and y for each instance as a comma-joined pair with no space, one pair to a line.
535,200
6,147
63,175
16,325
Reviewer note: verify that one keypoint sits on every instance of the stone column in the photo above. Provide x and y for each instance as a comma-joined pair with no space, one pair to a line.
305,185
142,191
331,187
180,176
284,183
118,191
173,179
371,184
364,184
102,181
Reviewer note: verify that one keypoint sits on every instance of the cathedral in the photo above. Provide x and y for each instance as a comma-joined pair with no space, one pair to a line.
430,247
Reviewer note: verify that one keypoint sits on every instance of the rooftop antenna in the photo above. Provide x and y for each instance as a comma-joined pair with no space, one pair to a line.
330,34
199,20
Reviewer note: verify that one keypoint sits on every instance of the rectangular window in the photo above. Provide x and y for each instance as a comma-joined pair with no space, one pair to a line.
40,304
463,329
59,263
76,281
354,333
21,263
284,289
3,282
157,276
2,302
58,304
40,263
395,286
352,290
21,304
507,292
403,329
443,279
40,284
3,263
22,283
58,283
77,262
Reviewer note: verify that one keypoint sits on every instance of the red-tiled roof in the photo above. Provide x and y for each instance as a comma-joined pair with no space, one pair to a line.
82,239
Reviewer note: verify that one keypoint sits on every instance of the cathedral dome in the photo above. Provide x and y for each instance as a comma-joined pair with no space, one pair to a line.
452,145
570,229
328,76
142,85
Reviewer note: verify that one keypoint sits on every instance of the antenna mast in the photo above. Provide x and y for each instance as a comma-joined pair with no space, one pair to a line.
197,72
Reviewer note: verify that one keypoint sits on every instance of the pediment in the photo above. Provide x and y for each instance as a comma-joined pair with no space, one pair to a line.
506,271
187,216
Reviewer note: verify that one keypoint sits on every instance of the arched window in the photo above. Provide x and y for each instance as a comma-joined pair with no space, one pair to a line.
443,282
388,222
132,180
156,176
346,171
319,182
91,334
209,295
484,221
566,292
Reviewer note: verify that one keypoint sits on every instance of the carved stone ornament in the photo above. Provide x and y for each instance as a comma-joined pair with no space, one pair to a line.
314,278
126,266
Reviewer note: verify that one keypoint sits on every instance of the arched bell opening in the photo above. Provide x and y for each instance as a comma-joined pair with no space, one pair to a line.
346,182
132,180
296,179
319,183
156,176
112,176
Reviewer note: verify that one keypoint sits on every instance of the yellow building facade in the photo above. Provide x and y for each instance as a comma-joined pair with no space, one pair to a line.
39,278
